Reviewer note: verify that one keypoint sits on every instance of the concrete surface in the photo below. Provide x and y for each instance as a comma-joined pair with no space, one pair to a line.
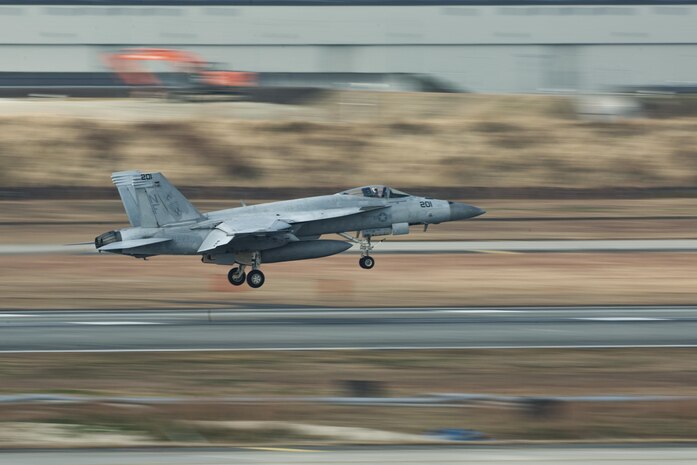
569,455
348,328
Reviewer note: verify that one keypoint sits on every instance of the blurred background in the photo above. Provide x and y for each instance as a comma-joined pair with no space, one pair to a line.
566,120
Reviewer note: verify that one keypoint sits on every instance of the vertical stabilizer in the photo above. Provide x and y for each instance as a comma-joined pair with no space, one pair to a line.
151,201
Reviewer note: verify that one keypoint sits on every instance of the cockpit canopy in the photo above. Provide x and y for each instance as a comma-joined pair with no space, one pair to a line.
377,191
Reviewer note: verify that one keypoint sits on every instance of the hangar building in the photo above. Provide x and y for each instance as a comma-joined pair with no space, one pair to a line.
478,45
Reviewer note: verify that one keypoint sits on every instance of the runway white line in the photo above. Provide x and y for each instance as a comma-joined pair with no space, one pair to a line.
71,313
113,323
283,313
476,311
325,349
546,245
623,318
111,316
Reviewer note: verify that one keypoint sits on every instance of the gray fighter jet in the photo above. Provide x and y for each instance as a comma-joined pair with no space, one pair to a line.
165,223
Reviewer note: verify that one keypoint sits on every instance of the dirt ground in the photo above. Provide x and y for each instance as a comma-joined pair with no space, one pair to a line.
101,281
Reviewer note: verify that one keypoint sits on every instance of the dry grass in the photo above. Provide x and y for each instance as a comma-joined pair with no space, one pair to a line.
405,140
664,421
403,373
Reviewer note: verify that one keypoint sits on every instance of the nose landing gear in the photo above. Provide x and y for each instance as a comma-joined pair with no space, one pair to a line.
255,279
366,262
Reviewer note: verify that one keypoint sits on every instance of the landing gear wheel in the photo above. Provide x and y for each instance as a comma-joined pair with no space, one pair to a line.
255,279
235,277
366,262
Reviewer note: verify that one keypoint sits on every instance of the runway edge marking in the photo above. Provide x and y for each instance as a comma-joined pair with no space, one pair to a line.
318,349
279,449
628,319
113,323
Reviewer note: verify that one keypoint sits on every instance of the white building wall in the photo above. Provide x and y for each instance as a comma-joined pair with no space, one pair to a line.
482,48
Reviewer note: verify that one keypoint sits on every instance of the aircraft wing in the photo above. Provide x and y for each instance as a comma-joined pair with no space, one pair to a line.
133,243
268,225
252,225
304,217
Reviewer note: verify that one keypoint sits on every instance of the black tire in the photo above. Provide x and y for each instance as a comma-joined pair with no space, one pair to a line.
255,279
366,262
231,277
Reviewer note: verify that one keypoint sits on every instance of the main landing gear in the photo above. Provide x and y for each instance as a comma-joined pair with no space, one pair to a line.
237,276
255,279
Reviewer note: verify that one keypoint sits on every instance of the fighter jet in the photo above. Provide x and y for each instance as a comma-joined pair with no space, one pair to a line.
164,222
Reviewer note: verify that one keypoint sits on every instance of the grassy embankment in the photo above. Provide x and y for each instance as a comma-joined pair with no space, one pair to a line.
403,139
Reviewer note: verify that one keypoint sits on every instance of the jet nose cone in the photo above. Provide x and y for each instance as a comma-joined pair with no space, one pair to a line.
462,211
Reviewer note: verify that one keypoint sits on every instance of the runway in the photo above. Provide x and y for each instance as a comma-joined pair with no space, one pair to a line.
347,329
401,247
578,455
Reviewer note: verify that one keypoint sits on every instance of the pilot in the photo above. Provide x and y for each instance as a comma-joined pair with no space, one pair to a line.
384,192
376,192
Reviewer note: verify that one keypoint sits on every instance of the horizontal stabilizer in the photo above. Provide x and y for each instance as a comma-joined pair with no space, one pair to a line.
133,243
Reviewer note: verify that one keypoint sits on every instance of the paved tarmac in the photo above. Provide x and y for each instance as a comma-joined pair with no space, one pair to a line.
615,455
620,245
347,328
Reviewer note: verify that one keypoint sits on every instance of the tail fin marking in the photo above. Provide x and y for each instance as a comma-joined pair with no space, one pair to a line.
151,201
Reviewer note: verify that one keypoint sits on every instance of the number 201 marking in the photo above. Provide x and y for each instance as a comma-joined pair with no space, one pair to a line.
426,204
146,177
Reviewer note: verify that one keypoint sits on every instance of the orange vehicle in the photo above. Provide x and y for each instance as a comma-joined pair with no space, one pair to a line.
191,74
